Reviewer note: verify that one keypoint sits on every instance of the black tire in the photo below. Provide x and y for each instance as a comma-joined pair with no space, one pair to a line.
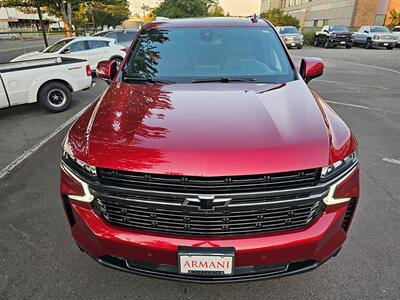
327,44
299,47
368,44
389,48
55,96
316,43
348,46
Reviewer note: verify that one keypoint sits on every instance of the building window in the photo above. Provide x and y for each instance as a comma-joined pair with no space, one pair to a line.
379,20
315,24
326,22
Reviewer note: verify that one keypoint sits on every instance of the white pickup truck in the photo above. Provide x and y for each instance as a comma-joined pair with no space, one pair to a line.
49,81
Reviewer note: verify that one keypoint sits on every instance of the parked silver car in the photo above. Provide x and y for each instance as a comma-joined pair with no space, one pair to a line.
291,36
396,32
370,36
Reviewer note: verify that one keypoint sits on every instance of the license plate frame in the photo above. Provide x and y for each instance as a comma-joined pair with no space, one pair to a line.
224,255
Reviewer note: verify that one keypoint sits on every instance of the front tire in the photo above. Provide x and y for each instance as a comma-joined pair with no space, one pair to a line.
316,43
389,48
299,47
368,44
55,96
327,44
348,46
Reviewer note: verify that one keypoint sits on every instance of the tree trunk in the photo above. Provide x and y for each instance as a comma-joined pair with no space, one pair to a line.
67,24
93,20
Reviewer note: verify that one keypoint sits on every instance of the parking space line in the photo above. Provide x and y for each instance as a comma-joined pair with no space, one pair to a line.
391,160
362,107
349,104
362,65
351,84
5,171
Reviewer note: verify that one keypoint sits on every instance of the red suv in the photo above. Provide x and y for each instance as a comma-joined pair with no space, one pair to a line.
209,159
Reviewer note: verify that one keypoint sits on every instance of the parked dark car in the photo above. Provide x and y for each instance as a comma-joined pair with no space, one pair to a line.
291,36
332,36
121,36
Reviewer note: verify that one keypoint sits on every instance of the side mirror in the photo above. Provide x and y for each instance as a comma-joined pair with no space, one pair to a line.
106,69
66,51
326,31
366,31
310,68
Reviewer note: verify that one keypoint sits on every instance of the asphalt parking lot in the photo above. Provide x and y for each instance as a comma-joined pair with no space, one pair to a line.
10,49
38,258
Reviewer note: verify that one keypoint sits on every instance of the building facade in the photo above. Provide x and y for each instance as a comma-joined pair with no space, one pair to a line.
353,13
12,19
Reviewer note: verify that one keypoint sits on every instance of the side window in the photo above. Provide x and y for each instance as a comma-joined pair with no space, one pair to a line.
126,36
112,35
77,46
97,44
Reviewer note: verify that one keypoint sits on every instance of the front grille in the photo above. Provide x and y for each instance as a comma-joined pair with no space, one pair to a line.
220,221
344,37
208,206
214,185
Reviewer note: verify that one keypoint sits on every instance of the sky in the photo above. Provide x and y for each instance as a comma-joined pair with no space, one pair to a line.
234,7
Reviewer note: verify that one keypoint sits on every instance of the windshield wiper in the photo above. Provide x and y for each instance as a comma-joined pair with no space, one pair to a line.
147,79
223,80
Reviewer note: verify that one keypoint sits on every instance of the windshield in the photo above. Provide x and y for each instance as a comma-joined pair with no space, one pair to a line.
285,30
57,46
379,29
193,54
339,28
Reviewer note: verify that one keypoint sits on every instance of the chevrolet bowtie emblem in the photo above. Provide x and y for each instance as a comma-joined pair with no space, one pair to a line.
206,202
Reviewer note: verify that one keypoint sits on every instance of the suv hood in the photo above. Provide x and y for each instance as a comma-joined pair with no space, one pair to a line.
387,35
203,129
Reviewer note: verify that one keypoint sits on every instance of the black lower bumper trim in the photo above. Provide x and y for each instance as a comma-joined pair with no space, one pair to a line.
241,274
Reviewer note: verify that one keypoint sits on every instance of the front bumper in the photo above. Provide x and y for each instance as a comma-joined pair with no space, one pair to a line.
384,43
290,44
257,256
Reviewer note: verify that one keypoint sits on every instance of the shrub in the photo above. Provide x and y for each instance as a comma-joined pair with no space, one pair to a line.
309,37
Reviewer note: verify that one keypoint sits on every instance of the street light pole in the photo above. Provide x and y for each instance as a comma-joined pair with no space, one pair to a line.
41,23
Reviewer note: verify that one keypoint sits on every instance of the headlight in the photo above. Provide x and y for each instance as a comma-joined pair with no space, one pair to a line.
333,34
339,166
75,164
376,37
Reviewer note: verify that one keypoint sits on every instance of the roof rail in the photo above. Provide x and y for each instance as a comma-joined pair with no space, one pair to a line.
161,19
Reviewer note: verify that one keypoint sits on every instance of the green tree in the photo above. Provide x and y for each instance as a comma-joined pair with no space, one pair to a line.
111,12
395,17
216,11
185,8
279,18
79,12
